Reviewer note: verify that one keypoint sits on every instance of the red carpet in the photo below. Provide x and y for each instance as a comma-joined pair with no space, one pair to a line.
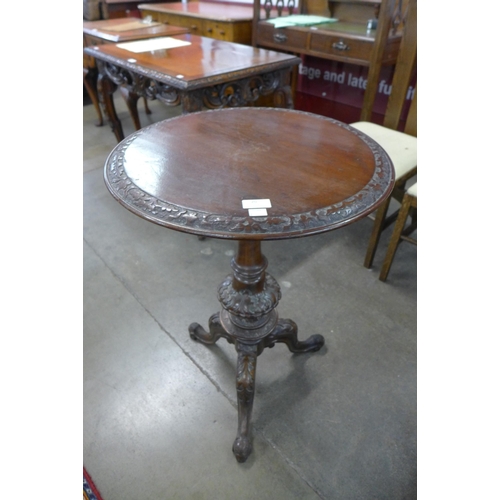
90,492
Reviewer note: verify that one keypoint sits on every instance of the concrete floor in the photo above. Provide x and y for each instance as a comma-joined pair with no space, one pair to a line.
160,410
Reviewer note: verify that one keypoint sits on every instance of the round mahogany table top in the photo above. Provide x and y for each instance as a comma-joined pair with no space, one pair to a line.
191,173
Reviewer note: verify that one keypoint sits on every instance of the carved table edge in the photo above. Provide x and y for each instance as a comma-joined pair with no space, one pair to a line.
199,222
180,84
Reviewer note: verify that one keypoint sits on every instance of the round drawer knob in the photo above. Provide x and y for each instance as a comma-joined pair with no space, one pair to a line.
280,37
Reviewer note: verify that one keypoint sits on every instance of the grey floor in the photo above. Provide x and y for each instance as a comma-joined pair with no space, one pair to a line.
160,410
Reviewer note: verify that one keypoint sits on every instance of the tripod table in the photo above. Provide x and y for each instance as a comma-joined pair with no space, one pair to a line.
250,174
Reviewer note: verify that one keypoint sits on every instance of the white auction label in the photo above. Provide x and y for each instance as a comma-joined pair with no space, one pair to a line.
256,203
257,212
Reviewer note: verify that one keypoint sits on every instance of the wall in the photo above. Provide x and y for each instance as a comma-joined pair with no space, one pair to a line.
336,90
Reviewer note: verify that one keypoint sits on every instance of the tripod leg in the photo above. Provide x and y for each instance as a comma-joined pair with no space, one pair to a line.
245,389
215,331
286,332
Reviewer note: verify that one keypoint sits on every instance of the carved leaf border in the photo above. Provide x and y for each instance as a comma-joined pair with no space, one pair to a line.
229,226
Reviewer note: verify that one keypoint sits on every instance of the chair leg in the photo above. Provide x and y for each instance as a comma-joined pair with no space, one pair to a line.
89,81
378,227
382,221
396,235
146,107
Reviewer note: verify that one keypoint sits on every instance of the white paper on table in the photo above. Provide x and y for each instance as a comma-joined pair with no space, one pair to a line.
299,20
152,44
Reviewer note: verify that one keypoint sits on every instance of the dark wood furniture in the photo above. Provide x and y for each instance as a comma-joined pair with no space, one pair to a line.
222,21
348,40
113,9
114,31
207,73
313,173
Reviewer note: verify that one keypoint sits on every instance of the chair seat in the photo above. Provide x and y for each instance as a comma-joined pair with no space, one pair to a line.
412,190
401,148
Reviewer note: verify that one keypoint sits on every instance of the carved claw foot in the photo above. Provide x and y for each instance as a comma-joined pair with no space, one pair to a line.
242,448
215,331
286,332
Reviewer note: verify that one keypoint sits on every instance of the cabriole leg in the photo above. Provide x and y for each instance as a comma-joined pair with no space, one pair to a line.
215,331
286,332
245,390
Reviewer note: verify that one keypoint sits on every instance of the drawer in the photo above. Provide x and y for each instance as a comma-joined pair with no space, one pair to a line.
194,25
341,46
218,30
288,39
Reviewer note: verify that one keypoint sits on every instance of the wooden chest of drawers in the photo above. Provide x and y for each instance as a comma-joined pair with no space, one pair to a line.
343,42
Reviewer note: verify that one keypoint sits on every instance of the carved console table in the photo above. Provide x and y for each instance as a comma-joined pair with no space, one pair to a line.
206,73
267,162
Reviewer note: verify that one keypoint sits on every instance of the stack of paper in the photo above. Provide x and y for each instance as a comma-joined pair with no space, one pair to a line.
299,20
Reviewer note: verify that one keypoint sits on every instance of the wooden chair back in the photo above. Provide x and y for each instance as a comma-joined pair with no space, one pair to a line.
406,65
278,5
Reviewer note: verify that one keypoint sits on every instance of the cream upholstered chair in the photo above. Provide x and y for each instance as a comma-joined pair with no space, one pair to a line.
400,146
400,232
402,149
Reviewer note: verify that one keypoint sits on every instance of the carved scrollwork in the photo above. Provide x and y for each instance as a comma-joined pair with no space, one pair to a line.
241,92
141,85
118,75
279,5
163,92
268,5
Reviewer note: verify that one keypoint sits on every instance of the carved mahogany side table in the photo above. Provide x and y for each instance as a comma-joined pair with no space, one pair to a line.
203,73
250,174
